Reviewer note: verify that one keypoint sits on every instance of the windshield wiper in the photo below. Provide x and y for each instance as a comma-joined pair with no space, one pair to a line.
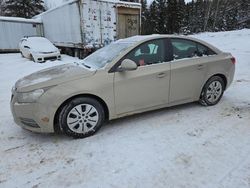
82,64
86,65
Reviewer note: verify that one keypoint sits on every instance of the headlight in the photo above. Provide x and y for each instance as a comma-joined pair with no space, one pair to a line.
29,97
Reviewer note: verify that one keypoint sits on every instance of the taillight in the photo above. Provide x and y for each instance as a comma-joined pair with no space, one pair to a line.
233,59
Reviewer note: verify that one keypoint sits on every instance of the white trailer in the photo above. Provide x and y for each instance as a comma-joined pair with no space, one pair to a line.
12,29
91,24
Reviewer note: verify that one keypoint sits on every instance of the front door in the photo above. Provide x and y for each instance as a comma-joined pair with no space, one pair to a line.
147,86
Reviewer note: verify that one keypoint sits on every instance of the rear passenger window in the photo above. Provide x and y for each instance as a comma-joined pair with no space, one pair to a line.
187,49
204,51
183,48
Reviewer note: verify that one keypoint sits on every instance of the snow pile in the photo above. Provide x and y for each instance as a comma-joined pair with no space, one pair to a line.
18,19
186,146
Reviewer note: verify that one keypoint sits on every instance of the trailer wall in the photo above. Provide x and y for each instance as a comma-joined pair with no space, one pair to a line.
62,25
98,22
91,24
11,31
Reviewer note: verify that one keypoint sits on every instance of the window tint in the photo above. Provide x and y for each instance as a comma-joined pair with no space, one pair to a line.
204,51
187,49
151,52
183,48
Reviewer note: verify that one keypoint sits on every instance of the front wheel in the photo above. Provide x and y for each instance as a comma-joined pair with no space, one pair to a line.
81,117
212,91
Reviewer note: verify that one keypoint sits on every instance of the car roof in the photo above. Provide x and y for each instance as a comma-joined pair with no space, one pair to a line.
139,38
143,38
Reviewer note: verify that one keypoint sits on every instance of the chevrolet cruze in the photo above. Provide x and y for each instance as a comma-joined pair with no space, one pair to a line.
129,76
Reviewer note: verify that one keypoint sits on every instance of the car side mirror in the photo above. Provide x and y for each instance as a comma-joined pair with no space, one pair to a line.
127,65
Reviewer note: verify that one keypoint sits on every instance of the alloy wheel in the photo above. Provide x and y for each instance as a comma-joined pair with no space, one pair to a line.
82,118
214,91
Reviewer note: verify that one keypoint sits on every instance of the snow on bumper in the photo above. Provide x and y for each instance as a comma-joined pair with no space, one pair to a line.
42,57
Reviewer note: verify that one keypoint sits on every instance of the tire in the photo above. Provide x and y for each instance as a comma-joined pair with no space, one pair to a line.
81,117
212,91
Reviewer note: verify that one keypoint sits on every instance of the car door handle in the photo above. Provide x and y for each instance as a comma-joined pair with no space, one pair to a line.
161,75
200,67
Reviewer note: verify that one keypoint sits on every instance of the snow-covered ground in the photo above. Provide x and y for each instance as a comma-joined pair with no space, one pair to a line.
187,146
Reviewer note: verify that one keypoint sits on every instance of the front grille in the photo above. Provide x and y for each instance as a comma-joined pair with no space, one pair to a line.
29,122
50,58
47,52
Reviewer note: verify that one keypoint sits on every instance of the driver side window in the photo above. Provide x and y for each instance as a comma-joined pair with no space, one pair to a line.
151,52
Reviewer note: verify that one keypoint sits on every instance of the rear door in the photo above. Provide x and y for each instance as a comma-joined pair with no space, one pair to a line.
188,69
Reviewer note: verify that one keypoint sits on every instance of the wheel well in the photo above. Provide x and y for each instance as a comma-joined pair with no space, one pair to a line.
223,78
104,105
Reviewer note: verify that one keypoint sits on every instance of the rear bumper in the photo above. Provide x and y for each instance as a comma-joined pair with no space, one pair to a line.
230,76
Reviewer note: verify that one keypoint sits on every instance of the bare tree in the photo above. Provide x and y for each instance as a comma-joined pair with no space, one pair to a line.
1,7
216,13
207,15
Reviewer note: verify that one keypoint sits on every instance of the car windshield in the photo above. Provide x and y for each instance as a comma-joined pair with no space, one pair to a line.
105,55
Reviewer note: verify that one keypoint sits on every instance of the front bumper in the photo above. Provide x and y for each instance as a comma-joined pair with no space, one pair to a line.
31,116
40,57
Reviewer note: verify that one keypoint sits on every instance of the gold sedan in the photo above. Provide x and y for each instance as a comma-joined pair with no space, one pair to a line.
129,76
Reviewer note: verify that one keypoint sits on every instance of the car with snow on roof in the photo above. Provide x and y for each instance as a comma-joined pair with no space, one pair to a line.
38,49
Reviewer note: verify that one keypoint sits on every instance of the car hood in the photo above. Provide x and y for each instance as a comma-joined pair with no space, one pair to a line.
52,76
42,49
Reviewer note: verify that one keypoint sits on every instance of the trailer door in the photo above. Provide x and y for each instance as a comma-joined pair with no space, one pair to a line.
128,22
108,19
91,23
